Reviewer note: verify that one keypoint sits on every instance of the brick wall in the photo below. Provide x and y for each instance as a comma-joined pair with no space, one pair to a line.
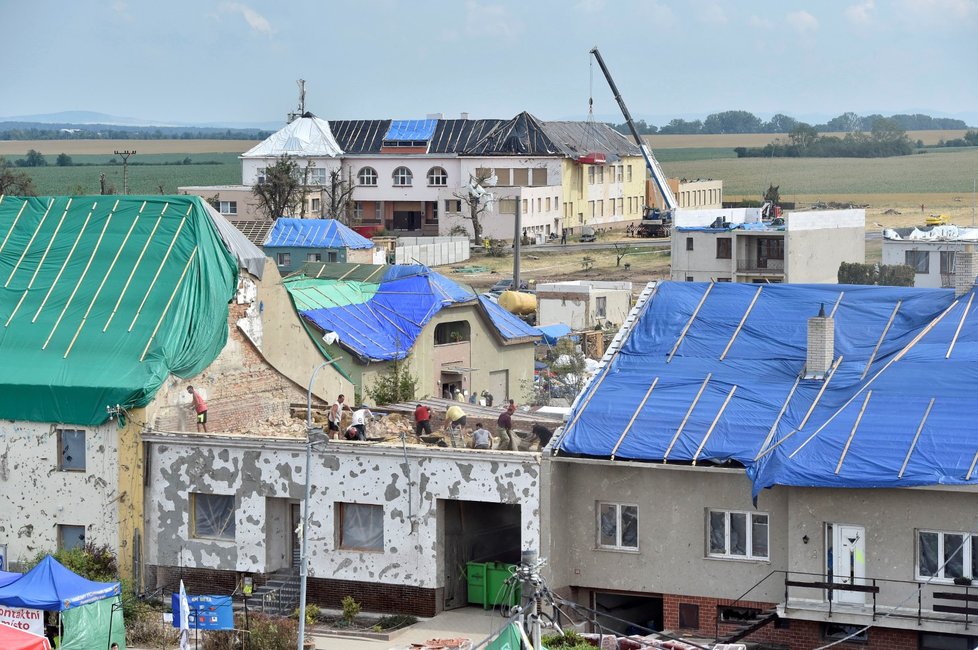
243,392
372,596
794,634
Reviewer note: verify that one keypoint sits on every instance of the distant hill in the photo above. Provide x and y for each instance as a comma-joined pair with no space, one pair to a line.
27,130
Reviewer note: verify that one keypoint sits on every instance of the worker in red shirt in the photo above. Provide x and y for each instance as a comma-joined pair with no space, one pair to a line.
199,406
422,420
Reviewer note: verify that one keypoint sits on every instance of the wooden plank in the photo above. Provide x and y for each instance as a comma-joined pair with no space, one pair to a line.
638,410
833,586
835,307
30,242
132,273
954,339
951,609
954,595
166,309
689,323
757,294
709,431
689,411
852,433
777,420
16,219
913,444
971,470
159,269
879,342
821,391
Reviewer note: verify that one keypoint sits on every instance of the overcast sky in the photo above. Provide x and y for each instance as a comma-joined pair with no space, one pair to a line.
213,61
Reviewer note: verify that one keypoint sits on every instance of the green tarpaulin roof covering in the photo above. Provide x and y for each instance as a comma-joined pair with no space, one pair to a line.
103,297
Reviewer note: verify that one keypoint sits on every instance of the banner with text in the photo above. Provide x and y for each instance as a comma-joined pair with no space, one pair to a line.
28,620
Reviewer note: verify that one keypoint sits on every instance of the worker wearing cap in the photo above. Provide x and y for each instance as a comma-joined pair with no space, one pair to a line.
422,419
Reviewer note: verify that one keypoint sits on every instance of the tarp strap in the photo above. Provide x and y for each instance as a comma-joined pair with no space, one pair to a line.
852,433
634,415
689,411
709,431
913,444
689,323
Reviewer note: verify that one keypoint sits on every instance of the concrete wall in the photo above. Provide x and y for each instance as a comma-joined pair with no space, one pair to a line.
579,192
248,206
816,243
261,472
431,251
691,218
700,194
574,303
701,264
894,253
673,503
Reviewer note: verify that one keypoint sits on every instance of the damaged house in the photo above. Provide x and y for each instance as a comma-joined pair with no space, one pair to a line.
781,463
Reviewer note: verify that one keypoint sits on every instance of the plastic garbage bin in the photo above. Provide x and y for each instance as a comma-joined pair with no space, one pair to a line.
497,591
476,576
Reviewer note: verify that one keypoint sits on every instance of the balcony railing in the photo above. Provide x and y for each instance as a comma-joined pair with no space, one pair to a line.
762,265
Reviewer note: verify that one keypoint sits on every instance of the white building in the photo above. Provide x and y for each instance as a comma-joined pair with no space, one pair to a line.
930,251
583,304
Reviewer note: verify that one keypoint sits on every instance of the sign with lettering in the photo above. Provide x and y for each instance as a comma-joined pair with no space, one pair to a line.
28,620
206,612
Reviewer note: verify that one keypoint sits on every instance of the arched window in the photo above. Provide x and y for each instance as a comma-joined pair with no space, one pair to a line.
367,176
437,176
403,176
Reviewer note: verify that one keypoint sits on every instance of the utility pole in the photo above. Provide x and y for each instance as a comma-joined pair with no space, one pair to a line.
974,198
125,168
516,245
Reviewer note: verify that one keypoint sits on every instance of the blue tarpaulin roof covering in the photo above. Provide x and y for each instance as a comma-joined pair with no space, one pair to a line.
551,333
314,233
6,577
411,130
52,587
380,316
897,411
508,325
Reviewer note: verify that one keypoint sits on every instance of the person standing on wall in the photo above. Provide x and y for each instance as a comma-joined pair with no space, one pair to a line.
335,415
199,406
422,419
504,431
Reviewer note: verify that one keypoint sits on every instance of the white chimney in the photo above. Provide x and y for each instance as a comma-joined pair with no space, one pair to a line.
465,116
821,345
965,270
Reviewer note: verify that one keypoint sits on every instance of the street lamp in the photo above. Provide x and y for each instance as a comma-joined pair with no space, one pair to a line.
304,558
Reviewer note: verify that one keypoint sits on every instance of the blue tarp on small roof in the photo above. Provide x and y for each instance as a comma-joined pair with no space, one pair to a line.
553,332
52,587
509,326
314,233
411,130
6,577
751,408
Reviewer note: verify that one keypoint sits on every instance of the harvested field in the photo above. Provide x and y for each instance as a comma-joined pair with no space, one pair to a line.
731,140
19,148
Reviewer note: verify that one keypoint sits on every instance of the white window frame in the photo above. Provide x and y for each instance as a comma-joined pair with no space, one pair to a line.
967,560
315,204
358,510
402,177
314,257
283,259
72,463
367,177
358,211
748,543
437,177
260,174
619,544
317,175
228,532
228,207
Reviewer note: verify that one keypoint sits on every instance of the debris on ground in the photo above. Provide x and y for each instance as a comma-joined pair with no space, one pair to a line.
891,211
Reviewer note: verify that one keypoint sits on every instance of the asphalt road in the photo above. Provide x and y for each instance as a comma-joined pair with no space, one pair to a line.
630,242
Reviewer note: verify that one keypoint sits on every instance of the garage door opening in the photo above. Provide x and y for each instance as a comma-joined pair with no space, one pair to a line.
475,532
635,611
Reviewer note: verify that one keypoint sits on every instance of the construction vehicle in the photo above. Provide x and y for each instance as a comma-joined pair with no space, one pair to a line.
655,222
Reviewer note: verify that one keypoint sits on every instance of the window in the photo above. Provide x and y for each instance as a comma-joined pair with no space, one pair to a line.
689,278
601,208
332,257
689,243
590,175
453,332
314,257
402,177
621,174
260,174
689,616
526,206
437,176
601,307
600,174
724,247
628,176
71,450
453,205
361,526
839,631
548,204
738,535
367,176
612,202
284,259
618,526
918,260
229,207
946,556
71,537
212,515
539,204
507,206
314,205
316,175
358,211
947,262
723,279
621,206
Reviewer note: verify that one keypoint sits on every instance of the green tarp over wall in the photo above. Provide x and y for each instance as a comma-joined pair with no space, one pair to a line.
87,627
102,297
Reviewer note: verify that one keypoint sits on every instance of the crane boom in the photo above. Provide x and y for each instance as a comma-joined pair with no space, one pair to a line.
657,174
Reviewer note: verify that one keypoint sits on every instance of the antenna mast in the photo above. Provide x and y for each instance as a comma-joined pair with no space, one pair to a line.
302,102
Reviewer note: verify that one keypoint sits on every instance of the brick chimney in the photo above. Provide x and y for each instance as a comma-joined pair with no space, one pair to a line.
821,345
965,270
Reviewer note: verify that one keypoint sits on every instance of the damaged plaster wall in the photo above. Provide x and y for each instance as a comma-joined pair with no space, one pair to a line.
38,497
262,472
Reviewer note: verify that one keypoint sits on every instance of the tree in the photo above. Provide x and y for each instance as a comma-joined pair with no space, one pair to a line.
477,202
339,197
280,192
394,385
773,195
34,159
781,123
14,182
845,123
64,160
732,122
803,135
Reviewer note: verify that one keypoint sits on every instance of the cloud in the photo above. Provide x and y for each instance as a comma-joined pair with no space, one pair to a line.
255,20
655,14
590,6
711,12
490,20
802,22
861,14
941,11
759,22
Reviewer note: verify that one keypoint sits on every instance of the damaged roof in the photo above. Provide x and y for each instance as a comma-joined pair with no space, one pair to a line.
523,135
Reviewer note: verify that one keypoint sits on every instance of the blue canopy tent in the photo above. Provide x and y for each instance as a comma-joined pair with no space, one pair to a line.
6,577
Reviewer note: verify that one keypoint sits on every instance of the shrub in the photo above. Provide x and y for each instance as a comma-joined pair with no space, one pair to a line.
312,614
351,609
395,385
147,629
569,640
396,621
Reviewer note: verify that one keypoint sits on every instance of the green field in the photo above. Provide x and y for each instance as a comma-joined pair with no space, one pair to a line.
144,178
934,171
